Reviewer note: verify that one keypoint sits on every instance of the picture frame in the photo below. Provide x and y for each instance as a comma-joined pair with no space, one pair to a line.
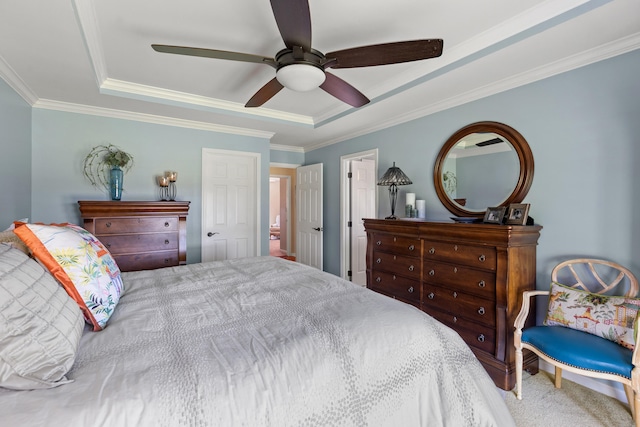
517,214
494,215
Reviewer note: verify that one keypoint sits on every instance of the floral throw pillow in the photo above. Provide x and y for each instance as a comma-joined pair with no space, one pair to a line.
609,317
79,261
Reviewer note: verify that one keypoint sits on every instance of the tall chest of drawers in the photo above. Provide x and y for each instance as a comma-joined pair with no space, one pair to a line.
468,276
140,235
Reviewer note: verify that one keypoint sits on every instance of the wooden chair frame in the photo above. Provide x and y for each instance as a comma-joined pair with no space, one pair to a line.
631,386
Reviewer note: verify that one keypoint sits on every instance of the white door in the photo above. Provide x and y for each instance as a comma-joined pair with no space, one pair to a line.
309,215
230,220
363,205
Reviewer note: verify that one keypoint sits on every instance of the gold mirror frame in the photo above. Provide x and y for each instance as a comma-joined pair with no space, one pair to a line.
518,143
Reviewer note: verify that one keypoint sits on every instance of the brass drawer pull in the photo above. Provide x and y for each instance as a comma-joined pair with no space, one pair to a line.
166,242
378,279
166,224
481,338
455,295
482,258
431,295
481,284
455,319
411,247
481,311
432,273
108,224
410,290
378,261
432,251
411,268
379,242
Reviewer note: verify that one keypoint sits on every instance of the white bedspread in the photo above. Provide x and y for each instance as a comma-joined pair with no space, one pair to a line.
263,342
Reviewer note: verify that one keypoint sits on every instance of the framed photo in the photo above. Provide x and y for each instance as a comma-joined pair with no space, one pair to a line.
517,213
494,215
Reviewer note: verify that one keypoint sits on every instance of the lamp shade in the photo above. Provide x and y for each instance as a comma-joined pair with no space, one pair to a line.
394,176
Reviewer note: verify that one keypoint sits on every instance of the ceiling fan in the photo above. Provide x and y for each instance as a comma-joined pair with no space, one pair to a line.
301,68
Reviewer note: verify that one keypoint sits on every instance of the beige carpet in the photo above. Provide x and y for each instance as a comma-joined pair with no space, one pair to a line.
543,405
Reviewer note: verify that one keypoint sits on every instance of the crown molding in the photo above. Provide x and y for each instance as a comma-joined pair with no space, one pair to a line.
148,118
89,29
182,99
16,83
600,53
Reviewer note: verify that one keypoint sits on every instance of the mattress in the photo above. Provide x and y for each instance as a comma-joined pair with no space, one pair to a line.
263,342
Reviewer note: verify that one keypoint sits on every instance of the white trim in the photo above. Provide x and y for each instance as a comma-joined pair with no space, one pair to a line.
90,31
14,81
173,97
345,254
279,147
147,118
284,165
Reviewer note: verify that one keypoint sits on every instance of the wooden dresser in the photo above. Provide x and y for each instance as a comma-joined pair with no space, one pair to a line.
468,276
139,235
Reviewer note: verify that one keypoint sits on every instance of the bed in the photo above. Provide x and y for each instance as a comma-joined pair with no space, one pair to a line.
262,342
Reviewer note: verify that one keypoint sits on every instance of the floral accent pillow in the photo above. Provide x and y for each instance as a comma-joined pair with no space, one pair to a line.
81,263
609,317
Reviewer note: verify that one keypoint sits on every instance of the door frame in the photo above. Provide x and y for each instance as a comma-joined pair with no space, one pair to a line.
345,201
258,177
288,207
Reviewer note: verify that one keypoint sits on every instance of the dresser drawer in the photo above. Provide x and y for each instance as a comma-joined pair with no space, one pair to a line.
479,336
396,264
147,261
399,245
390,284
477,282
137,225
472,256
128,243
459,304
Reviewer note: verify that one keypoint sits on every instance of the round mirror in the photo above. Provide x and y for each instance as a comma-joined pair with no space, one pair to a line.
484,164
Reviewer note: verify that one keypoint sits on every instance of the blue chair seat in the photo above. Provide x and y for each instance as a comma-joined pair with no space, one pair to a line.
580,349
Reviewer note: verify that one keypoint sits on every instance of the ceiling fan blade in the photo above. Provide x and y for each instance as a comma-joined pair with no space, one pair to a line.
212,53
343,91
387,53
294,22
265,93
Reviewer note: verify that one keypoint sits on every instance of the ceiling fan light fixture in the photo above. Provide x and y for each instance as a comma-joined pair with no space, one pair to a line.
300,77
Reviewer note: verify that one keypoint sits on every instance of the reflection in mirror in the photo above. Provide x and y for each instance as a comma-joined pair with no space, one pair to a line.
480,170
484,164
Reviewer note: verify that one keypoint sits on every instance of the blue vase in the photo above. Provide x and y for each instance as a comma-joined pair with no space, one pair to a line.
116,177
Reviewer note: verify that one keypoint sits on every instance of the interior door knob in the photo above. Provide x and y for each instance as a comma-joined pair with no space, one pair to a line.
317,228
209,234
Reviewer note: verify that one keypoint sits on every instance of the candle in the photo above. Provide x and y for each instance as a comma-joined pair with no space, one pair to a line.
173,176
163,181
411,199
421,207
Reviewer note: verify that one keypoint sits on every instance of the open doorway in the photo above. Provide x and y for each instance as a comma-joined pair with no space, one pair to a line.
281,215
358,200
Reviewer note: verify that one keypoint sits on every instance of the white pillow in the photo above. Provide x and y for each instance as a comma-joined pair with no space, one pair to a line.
40,325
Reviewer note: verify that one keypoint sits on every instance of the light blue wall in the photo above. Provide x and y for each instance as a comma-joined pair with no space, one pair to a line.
15,156
287,157
61,140
584,130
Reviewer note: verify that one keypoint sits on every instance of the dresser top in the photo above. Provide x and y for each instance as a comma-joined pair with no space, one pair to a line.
102,208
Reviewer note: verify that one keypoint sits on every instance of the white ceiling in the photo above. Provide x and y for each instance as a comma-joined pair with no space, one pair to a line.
95,57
